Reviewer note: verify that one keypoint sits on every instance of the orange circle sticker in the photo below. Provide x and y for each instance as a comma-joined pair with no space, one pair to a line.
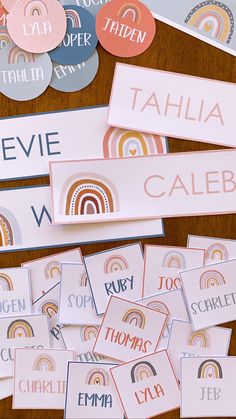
125,28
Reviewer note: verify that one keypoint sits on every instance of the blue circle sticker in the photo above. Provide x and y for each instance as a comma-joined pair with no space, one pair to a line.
93,6
80,39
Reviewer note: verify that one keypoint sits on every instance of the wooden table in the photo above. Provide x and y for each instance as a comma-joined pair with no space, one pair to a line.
171,50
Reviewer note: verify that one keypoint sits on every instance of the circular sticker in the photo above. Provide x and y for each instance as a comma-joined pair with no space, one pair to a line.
23,76
37,25
8,4
4,37
93,6
3,15
125,29
80,39
74,78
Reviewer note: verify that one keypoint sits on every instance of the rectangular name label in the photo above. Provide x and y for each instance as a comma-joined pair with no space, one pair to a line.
146,187
173,104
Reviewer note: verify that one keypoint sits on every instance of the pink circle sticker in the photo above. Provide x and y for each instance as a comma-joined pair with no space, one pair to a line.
125,29
37,25
8,4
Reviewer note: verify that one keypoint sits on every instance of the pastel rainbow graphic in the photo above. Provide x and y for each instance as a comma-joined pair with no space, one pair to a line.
134,316
158,306
174,259
52,270
73,17
90,195
141,371
35,8
212,18
217,252
83,281
199,339
17,55
20,329
115,263
131,11
4,38
88,333
210,279
210,369
97,376
123,143
44,362
50,308
5,282
9,229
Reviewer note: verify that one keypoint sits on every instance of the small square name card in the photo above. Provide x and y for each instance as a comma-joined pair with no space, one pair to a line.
116,271
210,294
127,330
148,386
216,250
207,387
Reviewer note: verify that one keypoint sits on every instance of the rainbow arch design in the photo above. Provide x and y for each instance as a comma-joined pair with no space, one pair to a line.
52,269
210,279
158,306
72,16
9,230
4,38
141,371
5,282
124,143
174,259
91,195
210,369
50,308
88,333
134,316
97,376
217,251
199,339
131,11
83,281
115,263
212,18
16,55
44,362
35,8
20,329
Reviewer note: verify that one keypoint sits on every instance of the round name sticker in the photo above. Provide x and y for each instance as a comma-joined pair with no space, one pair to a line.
93,6
37,25
23,76
4,37
8,4
125,29
80,39
3,15
74,78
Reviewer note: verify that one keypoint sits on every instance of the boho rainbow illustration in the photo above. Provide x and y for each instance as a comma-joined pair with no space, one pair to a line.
88,333
50,308
130,10
72,16
91,194
141,371
158,306
4,38
174,259
210,369
20,329
35,8
10,234
83,281
52,269
217,252
44,362
123,143
199,339
17,55
212,18
210,279
97,376
134,316
5,282
115,263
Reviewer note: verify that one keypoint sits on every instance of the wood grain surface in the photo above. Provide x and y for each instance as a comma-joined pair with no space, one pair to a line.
171,50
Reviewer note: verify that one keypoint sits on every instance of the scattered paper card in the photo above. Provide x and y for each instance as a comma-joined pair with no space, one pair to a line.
127,330
207,388
6,387
116,271
76,300
184,342
216,250
21,332
40,378
210,294
162,265
15,292
147,387
91,392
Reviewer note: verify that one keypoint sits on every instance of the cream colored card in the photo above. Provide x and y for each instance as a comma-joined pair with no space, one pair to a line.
15,292
216,249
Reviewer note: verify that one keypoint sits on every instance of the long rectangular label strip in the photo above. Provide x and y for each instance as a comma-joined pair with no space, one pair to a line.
171,185
27,225
173,104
